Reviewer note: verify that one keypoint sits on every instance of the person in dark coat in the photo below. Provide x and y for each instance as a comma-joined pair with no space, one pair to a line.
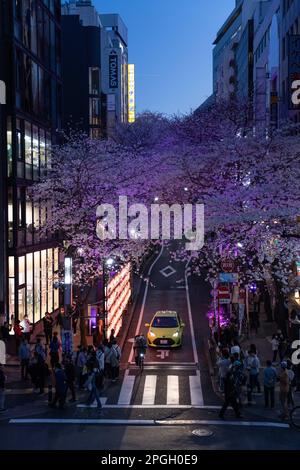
60,387
70,376
231,395
48,326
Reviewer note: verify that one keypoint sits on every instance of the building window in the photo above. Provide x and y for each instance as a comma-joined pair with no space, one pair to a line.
28,151
56,278
9,148
35,152
50,280
44,282
21,271
94,81
37,287
95,113
22,303
29,286
10,217
11,285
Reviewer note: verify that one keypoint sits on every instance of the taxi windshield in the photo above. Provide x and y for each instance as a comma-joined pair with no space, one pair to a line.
165,322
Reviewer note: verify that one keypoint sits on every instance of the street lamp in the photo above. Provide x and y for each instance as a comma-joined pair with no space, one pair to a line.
68,282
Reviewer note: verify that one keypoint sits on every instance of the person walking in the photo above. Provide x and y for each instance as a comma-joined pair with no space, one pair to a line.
42,372
3,379
81,367
115,360
252,364
24,355
270,378
223,364
60,387
112,336
284,384
291,374
275,345
54,350
230,395
70,378
26,327
18,331
107,367
48,327
39,349
93,389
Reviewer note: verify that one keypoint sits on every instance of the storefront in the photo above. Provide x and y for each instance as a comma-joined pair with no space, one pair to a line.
31,284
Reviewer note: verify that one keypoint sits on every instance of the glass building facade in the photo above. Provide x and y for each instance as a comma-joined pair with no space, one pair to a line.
32,39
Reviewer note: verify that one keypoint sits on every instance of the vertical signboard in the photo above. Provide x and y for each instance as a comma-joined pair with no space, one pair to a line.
294,71
113,68
131,93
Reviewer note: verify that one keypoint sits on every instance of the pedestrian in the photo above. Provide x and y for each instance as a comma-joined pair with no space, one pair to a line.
275,345
54,350
281,345
284,384
240,378
112,361
230,395
48,327
91,385
39,349
291,374
3,379
33,370
24,355
107,369
70,378
252,365
75,317
42,372
59,319
223,364
100,358
26,326
115,360
60,387
270,378
112,336
235,348
18,331
82,368
5,332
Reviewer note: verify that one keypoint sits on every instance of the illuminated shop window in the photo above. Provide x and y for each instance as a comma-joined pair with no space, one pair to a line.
29,285
21,270
44,299
50,280
37,287
11,285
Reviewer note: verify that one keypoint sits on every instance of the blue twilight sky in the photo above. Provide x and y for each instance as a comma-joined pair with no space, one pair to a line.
170,42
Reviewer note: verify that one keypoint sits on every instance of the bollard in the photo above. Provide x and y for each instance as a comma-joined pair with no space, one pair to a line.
50,396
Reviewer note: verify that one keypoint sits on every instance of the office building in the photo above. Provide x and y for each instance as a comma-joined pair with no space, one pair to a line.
30,65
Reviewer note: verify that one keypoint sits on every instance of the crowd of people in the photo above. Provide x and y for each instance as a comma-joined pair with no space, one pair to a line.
49,365
240,376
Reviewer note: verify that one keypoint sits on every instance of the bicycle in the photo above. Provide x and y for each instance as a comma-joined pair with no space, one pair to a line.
295,417
141,358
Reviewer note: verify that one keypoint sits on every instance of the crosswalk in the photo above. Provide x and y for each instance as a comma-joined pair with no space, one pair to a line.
153,390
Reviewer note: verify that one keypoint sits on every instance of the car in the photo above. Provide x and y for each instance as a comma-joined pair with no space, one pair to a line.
165,330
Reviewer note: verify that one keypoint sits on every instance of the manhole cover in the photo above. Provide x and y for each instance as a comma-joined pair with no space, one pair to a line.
202,433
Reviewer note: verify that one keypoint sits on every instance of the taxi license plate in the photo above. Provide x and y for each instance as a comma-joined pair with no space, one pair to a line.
163,341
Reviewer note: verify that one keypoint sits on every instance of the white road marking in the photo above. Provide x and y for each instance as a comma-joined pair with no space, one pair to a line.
149,390
168,271
173,390
126,390
147,422
167,363
163,353
138,328
196,390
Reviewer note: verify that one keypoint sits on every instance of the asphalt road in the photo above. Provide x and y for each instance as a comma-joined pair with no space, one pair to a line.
159,408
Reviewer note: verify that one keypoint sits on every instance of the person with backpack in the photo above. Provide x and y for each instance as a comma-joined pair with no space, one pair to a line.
54,350
118,352
270,378
252,365
231,395
223,364
284,385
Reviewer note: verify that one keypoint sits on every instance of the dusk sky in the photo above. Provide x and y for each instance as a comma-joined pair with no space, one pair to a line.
170,43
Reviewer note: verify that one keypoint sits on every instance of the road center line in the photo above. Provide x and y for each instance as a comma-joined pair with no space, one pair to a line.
138,328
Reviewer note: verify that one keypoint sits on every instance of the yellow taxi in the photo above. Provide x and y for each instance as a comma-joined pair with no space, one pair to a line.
165,330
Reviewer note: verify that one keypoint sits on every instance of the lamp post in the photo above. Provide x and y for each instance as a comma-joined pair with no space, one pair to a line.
68,282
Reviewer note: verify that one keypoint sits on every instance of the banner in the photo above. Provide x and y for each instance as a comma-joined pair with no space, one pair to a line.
113,71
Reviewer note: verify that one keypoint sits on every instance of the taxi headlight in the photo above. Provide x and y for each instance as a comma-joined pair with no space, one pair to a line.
152,334
175,335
